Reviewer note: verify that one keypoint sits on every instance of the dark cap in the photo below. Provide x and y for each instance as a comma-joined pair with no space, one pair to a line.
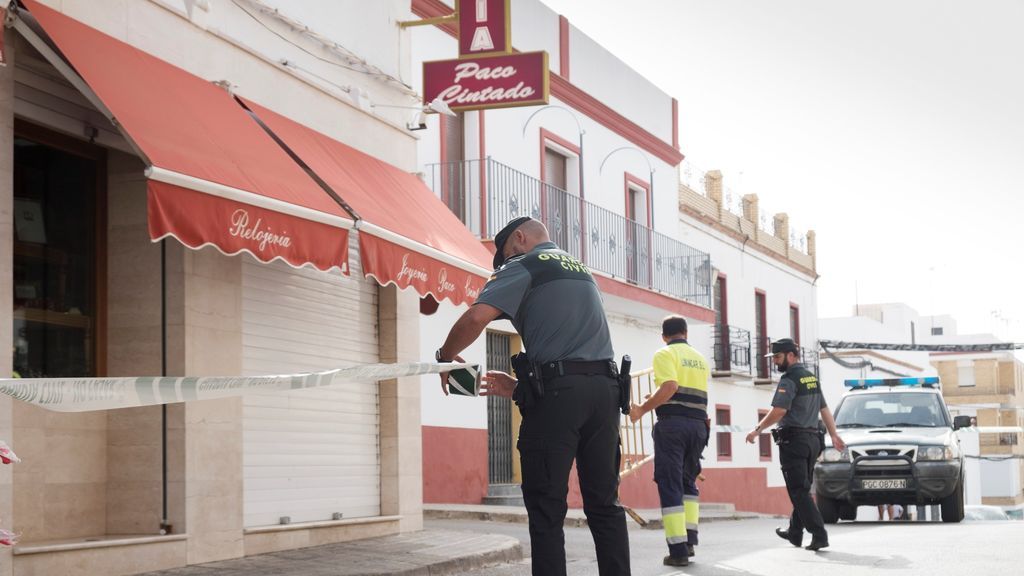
783,345
501,237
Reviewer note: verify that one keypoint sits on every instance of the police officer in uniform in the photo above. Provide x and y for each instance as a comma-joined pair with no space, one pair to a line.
797,404
680,435
556,308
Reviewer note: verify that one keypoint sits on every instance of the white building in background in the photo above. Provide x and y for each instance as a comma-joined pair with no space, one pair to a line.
764,290
599,166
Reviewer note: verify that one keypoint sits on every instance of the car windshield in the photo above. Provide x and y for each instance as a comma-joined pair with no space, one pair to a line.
896,410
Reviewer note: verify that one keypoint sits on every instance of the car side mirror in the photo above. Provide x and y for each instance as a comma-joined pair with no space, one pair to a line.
961,422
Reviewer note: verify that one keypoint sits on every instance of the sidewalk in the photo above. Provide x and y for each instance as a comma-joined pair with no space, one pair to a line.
431,552
709,512
426,553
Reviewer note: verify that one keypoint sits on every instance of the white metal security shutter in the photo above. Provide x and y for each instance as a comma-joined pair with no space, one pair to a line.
309,454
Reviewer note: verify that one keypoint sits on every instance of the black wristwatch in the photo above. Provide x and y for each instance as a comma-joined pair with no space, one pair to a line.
437,357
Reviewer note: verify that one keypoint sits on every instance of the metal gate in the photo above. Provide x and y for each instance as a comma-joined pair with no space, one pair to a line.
499,414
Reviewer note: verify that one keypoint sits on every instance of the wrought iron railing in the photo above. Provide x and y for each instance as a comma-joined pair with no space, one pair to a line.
732,349
604,240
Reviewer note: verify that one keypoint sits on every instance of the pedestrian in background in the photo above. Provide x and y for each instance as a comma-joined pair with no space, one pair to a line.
797,405
680,435
569,394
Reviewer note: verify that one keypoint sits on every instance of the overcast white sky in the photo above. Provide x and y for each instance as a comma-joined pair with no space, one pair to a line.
894,129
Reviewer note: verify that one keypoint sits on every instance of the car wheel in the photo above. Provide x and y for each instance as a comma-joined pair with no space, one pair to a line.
953,505
829,509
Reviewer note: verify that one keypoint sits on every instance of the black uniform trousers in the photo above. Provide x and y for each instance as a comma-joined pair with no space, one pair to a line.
797,452
577,418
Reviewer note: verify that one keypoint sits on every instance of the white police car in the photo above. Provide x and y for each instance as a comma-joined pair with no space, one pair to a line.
902,448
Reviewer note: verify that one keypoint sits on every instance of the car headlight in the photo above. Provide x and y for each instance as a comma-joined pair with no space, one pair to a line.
833,455
935,453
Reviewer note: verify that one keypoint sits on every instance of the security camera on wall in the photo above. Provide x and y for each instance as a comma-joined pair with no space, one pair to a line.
418,122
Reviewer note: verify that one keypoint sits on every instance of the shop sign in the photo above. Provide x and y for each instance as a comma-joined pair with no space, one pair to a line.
485,27
500,81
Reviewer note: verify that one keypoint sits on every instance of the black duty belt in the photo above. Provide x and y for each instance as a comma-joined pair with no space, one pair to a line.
795,430
549,370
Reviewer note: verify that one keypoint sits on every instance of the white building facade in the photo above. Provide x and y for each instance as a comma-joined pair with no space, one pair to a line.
598,165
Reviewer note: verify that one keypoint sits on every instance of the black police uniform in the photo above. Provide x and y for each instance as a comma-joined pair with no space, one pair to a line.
800,444
555,305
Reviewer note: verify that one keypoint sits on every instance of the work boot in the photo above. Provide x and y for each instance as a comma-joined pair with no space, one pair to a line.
818,543
676,561
689,551
784,534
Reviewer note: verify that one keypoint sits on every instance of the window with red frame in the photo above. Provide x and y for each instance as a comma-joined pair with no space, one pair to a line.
723,417
764,440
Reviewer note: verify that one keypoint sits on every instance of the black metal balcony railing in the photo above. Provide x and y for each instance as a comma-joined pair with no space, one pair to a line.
601,239
732,347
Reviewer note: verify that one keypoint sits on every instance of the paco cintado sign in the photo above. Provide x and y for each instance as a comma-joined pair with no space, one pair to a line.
501,81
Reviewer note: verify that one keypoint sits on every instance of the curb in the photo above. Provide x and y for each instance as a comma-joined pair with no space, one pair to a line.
521,518
508,554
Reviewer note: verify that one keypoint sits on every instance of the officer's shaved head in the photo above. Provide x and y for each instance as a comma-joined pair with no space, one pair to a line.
534,230
522,239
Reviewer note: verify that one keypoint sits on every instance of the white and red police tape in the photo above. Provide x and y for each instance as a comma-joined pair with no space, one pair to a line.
86,394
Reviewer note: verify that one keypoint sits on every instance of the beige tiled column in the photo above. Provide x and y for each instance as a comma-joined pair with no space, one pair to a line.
6,279
134,479
205,438
401,438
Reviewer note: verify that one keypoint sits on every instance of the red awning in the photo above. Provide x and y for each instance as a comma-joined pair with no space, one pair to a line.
216,177
406,234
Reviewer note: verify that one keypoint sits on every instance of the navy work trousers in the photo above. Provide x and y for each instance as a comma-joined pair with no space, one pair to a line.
578,418
678,444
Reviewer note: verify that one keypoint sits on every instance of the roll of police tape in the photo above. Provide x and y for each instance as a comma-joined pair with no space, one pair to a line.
87,394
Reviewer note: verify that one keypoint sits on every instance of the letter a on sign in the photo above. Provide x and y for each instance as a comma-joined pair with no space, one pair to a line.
484,27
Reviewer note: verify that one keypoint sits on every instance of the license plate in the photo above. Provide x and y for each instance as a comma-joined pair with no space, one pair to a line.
884,484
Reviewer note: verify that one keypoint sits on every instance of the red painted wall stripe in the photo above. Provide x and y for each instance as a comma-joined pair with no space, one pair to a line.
667,303
454,465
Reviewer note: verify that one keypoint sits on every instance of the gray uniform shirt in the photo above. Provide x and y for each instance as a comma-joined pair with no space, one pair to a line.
800,394
560,319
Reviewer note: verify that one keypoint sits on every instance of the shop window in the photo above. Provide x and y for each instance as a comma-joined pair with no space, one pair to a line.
55,266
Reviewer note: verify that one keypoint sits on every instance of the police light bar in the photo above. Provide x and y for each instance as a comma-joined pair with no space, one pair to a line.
870,382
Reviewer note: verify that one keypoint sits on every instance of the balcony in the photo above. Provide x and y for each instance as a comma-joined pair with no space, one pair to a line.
732,350
603,240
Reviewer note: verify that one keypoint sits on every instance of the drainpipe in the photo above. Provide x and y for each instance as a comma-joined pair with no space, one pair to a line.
165,527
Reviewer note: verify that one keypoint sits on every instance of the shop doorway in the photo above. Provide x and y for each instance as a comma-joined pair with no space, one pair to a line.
58,268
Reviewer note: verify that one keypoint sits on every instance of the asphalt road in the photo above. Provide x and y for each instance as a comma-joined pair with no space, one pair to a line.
750,547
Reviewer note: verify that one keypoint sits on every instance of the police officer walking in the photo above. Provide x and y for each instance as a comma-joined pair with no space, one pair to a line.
680,435
570,406
797,404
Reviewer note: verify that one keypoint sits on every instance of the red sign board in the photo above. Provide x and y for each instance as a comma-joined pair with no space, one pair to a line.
485,27
490,82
